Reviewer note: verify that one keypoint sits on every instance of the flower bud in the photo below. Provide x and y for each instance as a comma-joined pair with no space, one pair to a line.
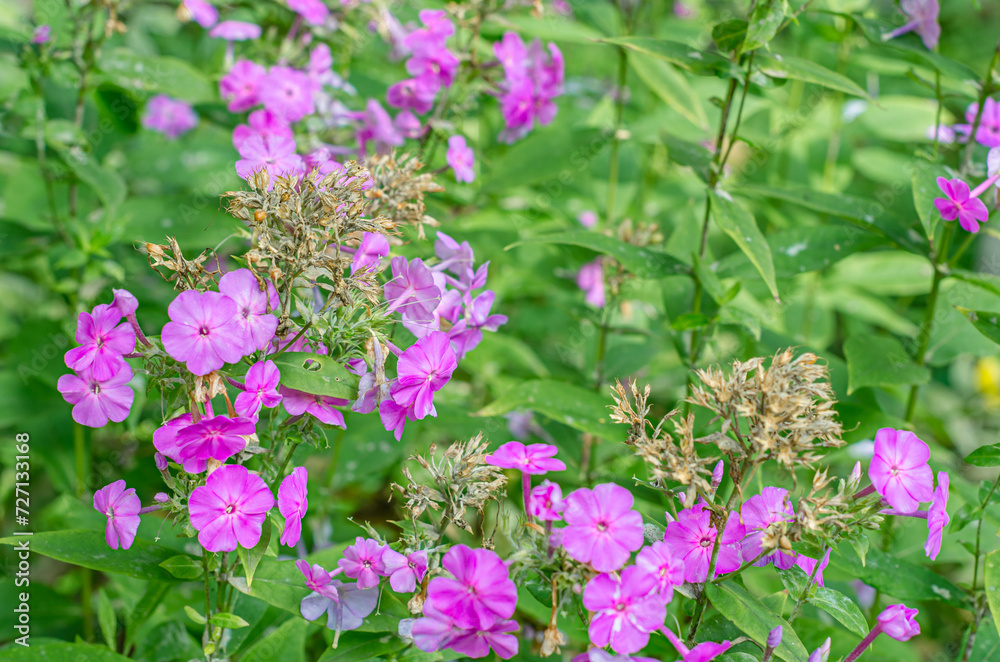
774,638
161,462
717,475
161,497
125,302
856,473
899,622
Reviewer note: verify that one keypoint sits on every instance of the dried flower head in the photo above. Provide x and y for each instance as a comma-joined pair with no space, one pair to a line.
187,274
398,190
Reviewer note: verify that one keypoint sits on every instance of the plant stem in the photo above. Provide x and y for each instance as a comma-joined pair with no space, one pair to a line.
979,530
208,604
284,464
983,93
865,643
615,143
805,591
937,117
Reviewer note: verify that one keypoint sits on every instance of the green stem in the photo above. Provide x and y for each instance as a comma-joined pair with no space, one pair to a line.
805,591
979,530
983,93
208,600
615,143
937,117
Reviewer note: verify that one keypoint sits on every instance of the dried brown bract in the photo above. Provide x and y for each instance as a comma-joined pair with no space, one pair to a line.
399,189
187,274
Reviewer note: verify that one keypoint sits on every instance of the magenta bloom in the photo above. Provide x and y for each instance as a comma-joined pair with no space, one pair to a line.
422,370
240,86
587,218
95,402
759,512
201,12
230,509
373,248
988,133
204,331
394,417
602,527
363,561
461,159
235,31
261,123
102,342
533,78
922,18
455,257
320,406
122,508
288,93
274,153
414,94
431,61
252,305
626,609
970,211
590,279
481,592
261,389
408,125
533,459
899,470
546,502
293,502
377,127
313,11
703,652
899,622
808,565
937,517
691,538
658,561
467,333
404,572
437,631
318,579
218,437
42,34
347,611
171,117
412,290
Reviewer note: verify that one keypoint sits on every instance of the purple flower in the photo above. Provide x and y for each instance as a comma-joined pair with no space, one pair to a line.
404,572
988,133
230,509
204,331
261,123
546,502
95,401
808,566
347,611
432,62
759,512
899,622
42,34
661,563
587,218
313,11
122,508
533,459
318,579
373,248
363,561
240,86
218,437
437,631
171,117
467,333
899,470
102,343
252,306
626,609
455,257
274,153
481,592
408,124
165,441
377,127
602,527
461,159
414,94
297,403
703,652
293,502
937,517
922,17
125,302
288,93
590,279
394,417
421,371
691,538
235,31
261,389
202,12
532,79
961,204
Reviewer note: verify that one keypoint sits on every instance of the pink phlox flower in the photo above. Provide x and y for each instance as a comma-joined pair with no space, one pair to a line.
230,509
601,655
602,527
121,506
376,126
408,125
659,561
103,341
321,407
363,561
461,159
204,331
455,257
218,437
318,579
125,302
899,622
415,94
235,31
165,441
313,11
372,249
626,609
431,60
95,401
587,218
261,123
899,470
288,93
533,459
703,652
759,512
274,153
970,211
533,77
320,68
590,279
252,307
467,333
203,13
937,517
42,34
808,565
241,84
546,502
481,592
691,538
404,572
293,502
261,385
437,631
347,612
394,417
421,371
922,18
171,117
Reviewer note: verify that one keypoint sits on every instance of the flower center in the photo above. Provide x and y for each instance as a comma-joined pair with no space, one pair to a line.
246,312
412,565
620,606
203,331
602,526
705,542
96,388
230,508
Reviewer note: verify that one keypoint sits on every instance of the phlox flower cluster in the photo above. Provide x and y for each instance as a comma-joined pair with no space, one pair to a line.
533,77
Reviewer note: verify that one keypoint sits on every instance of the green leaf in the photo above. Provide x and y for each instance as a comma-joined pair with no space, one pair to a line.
689,321
801,249
547,28
568,404
738,657
108,186
832,602
183,567
107,620
194,614
250,558
530,160
733,219
925,189
316,373
88,549
60,652
985,456
702,63
901,579
643,262
671,86
764,23
280,584
984,321
227,620
286,643
729,35
991,579
755,618
880,361
145,73
684,153
355,646
807,71
152,597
